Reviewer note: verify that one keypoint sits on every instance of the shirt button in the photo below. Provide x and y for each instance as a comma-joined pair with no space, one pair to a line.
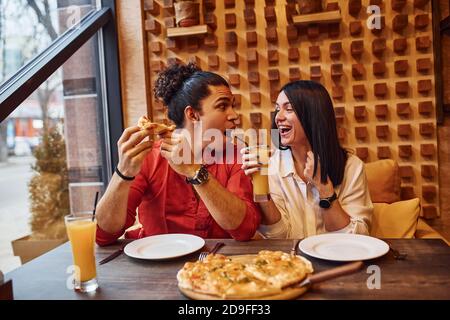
193,199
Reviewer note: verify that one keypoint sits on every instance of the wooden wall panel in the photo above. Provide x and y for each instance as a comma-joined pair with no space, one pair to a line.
443,224
133,60
305,53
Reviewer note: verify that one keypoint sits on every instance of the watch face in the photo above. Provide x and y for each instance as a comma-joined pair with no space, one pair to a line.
200,177
324,204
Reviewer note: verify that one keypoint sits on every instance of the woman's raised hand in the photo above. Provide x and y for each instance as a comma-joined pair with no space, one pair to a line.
324,188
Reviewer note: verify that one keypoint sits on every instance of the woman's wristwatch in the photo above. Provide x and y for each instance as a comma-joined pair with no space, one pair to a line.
325,203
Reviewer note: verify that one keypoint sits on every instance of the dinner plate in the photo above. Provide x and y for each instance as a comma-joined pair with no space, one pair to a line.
343,247
164,246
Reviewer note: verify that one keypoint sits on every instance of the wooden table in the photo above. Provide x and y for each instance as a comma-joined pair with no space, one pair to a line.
425,274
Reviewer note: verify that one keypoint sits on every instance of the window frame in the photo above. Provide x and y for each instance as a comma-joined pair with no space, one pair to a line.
101,22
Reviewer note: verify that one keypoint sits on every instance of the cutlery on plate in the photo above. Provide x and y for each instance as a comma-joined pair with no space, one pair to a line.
346,269
216,248
113,255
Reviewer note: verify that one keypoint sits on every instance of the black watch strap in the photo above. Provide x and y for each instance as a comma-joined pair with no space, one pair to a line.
200,177
124,177
325,203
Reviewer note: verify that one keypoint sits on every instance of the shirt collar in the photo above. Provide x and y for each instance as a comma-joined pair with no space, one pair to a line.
286,163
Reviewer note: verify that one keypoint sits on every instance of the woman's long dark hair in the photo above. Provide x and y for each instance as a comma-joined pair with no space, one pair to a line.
182,85
314,109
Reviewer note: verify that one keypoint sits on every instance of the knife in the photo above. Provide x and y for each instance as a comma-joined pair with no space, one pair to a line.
331,273
295,243
113,255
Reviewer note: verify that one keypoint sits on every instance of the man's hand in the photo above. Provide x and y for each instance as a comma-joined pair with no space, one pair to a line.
132,150
177,151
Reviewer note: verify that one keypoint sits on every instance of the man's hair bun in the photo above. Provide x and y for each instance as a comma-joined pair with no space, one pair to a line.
171,80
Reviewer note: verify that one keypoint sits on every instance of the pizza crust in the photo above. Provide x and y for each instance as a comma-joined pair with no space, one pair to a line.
157,128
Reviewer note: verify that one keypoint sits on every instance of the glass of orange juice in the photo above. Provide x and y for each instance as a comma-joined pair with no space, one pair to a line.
260,179
81,230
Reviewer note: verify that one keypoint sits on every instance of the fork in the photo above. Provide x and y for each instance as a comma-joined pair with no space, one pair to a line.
397,255
216,248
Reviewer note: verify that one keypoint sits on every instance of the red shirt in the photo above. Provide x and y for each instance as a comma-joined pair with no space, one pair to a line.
167,204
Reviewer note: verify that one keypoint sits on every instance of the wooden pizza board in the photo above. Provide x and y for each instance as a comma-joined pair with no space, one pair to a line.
288,293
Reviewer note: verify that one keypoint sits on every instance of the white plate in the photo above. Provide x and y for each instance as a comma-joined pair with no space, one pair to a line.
343,247
164,246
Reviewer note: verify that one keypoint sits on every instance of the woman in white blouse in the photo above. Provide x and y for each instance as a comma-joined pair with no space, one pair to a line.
316,186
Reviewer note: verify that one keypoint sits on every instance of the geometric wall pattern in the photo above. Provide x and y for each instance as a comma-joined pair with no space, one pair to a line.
381,80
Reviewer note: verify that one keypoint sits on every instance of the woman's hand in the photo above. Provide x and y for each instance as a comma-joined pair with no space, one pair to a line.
173,147
132,150
251,163
325,190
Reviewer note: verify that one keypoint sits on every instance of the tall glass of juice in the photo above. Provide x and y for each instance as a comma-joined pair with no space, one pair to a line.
81,230
260,179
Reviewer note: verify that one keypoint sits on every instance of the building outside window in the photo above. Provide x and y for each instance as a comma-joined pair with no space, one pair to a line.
67,102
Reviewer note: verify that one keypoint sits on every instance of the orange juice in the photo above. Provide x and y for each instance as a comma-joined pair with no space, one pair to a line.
260,179
82,236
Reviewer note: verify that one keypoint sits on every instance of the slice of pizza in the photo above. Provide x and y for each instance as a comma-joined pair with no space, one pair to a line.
157,128
278,268
201,276
235,282
222,277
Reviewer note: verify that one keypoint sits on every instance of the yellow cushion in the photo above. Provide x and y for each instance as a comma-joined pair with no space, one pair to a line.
424,231
383,181
396,220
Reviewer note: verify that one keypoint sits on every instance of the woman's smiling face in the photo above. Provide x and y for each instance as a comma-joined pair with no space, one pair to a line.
288,124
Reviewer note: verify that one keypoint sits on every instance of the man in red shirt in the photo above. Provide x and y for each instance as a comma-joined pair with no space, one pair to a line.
211,201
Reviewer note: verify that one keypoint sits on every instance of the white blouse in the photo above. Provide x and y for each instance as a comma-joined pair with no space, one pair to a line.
298,202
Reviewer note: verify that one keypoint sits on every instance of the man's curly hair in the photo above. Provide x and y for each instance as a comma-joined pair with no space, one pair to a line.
182,85
171,80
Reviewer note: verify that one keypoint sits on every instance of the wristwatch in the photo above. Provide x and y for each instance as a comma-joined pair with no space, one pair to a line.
200,177
325,203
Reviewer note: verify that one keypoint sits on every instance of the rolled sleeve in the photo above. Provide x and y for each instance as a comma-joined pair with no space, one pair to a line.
280,229
240,185
248,227
104,238
277,230
355,201
136,192
357,226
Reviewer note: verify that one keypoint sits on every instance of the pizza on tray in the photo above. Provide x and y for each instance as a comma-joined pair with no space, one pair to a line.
265,274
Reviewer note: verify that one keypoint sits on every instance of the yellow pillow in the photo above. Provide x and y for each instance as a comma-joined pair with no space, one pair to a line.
395,220
383,181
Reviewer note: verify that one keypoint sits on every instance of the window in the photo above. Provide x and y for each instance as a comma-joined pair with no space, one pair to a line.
28,27
68,96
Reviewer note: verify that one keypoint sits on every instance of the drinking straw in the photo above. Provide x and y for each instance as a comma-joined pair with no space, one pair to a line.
230,135
95,205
